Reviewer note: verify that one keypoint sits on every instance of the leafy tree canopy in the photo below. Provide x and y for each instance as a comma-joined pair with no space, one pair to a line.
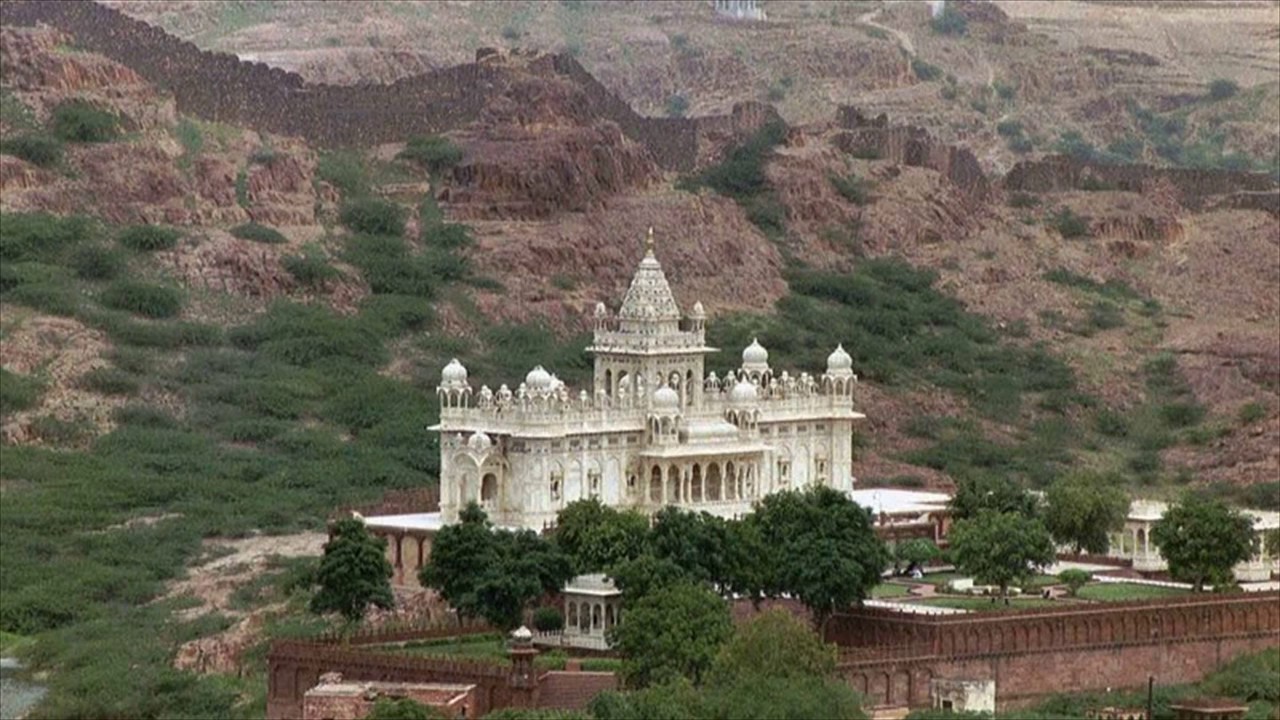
354,572
596,537
826,552
673,632
1074,579
774,644
990,492
644,575
916,551
1083,509
697,542
491,573
1202,540
1000,548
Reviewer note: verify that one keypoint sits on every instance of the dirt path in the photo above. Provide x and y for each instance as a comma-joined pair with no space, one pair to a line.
904,41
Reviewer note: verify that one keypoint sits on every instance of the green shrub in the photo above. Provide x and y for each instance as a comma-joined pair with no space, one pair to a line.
433,152
677,105
1068,224
1020,144
1181,414
35,148
852,188
94,262
345,170
109,381
149,238
311,269
1009,128
949,22
548,619
54,298
143,416
190,137
1004,90
1104,315
447,236
305,335
1221,89
153,301
39,236
56,431
80,121
373,216
1252,412
926,72
1248,677
17,392
1072,143
259,233
1023,200
395,315
1111,424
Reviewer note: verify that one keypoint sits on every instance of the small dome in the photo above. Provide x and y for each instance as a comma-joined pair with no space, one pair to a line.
699,312
538,380
744,393
666,398
479,442
601,311
755,355
522,635
453,374
839,360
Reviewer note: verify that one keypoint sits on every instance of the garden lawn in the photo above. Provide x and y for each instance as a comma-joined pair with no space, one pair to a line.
1114,592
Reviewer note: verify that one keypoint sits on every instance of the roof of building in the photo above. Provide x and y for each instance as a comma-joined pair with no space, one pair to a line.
1152,510
890,500
591,584
573,690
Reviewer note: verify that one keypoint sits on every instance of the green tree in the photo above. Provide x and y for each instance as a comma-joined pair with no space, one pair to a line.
675,631
1074,580
1273,542
646,574
990,492
595,536
403,709
827,554
1202,540
697,542
916,551
774,644
490,573
1000,548
1082,510
354,572
785,698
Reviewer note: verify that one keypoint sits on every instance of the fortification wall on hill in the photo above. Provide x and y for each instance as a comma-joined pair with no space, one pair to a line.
220,87
1058,173
909,145
893,657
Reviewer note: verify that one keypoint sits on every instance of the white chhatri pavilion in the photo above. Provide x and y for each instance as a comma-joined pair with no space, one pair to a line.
653,430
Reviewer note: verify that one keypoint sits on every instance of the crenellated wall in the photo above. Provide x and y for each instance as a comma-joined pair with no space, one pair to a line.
892,656
220,87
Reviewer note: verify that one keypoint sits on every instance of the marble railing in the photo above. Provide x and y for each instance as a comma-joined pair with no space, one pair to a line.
683,340
557,412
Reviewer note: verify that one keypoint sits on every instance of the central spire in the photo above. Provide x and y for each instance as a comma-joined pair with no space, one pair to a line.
649,298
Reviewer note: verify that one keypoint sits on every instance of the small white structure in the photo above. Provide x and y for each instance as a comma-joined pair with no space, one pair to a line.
975,696
653,430
1134,541
592,605
739,9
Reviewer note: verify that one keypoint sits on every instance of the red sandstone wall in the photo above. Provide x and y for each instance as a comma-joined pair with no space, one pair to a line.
892,657
1059,172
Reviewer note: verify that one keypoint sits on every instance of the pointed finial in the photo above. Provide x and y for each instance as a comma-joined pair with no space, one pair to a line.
648,241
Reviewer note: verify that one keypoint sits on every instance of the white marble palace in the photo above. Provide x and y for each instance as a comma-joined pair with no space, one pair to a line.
653,430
